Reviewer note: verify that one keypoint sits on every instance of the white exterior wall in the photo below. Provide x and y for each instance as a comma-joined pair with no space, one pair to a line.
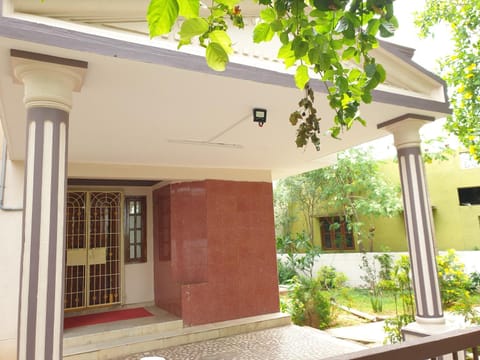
349,263
10,255
138,278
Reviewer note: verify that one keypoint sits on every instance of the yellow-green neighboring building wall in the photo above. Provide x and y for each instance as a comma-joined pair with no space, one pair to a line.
456,226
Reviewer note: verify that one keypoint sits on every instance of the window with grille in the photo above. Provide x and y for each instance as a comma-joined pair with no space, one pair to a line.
335,234
135,229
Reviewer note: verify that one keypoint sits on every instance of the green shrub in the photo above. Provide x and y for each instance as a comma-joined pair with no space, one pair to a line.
454,282
309,305
399,284
474,279
455,290
375,279
330,278
393,327
286,272
299,252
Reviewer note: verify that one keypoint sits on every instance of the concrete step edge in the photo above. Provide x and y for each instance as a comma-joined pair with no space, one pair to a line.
129,345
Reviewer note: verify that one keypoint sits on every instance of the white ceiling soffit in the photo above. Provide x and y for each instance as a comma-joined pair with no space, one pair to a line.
157,108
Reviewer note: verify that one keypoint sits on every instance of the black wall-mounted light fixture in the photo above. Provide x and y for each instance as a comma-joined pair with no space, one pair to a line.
260,116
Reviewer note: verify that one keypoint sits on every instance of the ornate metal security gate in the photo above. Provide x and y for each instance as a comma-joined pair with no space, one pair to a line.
93,244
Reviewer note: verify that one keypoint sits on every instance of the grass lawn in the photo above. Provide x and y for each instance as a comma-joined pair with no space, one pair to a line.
359,299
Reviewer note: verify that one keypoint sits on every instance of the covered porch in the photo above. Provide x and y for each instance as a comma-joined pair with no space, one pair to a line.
90,105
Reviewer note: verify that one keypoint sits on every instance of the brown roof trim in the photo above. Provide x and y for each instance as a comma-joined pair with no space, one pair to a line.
406,54
404,117
48,58
411,102
68,39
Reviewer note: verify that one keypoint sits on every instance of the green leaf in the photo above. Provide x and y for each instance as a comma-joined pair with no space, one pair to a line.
316,13
268,15
354,74
335,131
314,55
387,29
284,39
342,84
191,28
262,32
381,72
325,61
280,7
161,16
337,44
373,26
349,53
216,56
286,53
370,69
324,5
218,12
276,25
367,97
229,3
300,48
301,76
188,8
221,37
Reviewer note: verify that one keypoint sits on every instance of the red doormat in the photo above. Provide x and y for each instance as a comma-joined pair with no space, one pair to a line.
109,316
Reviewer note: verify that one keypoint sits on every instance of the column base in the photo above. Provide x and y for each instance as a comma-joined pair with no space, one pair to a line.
426,326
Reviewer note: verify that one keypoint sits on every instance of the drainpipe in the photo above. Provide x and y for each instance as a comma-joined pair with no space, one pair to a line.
3,175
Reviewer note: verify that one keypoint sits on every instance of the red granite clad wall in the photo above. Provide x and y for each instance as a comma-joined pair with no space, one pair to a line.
167,288
223,250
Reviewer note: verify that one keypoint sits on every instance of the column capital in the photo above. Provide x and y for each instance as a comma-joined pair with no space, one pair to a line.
49,81
405,129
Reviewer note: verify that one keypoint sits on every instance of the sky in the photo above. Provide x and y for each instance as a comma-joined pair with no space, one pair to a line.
428,51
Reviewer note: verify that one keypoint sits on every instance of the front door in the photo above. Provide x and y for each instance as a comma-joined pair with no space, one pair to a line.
93,241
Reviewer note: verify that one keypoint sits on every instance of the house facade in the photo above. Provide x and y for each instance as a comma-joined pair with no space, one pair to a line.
132,173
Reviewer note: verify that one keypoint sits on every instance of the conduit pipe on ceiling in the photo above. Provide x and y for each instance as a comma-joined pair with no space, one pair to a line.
3,176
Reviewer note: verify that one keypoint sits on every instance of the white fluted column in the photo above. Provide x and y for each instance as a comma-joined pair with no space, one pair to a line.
48,86
418,217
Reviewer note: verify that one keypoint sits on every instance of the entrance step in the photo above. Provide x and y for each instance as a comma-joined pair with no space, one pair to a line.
134,339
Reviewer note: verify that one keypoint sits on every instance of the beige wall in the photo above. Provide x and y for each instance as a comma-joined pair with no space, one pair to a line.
10,238
139,277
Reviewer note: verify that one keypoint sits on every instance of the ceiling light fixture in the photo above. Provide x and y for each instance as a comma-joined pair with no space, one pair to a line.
260,116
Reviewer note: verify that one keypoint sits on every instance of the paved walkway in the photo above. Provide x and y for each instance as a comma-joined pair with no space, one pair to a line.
371,334
281,343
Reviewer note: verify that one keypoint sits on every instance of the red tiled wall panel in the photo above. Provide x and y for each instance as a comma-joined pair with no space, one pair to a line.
223,250
167,289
